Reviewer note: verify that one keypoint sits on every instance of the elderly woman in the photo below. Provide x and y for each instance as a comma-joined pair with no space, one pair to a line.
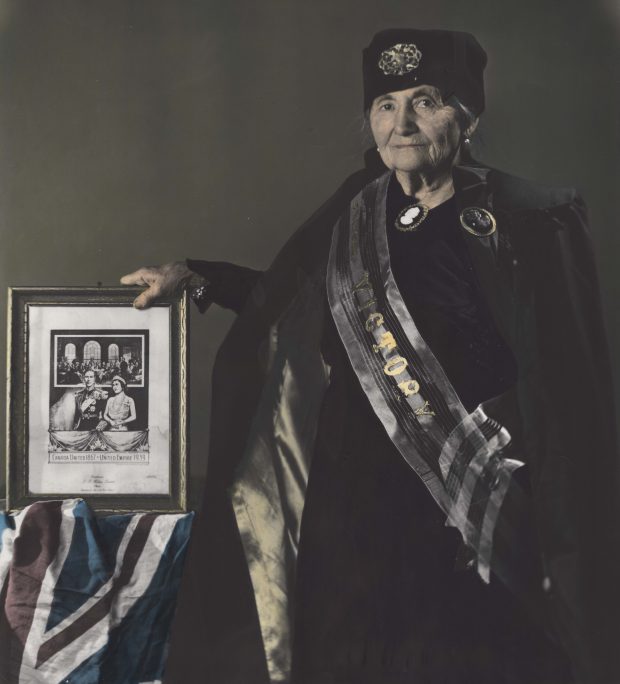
413,417
120,410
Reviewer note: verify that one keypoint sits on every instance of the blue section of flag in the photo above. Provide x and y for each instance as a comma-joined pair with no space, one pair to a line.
136,649
6,522
90,562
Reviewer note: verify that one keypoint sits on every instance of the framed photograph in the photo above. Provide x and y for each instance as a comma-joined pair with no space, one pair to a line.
97,399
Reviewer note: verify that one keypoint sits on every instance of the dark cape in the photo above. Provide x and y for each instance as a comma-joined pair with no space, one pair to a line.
539,279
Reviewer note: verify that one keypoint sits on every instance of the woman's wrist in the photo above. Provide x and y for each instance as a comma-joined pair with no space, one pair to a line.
198,288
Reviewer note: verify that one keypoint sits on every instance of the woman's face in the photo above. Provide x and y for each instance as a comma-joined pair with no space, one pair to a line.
116,386
415,131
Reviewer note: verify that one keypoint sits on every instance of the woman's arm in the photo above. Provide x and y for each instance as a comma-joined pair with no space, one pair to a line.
228,285
106,415
132,412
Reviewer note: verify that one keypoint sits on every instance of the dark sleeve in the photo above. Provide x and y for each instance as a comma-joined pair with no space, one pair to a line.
227,285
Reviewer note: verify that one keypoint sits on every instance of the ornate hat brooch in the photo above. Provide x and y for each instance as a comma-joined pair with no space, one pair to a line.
400,59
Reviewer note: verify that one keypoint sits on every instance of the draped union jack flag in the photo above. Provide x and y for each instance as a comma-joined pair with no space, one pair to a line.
87,600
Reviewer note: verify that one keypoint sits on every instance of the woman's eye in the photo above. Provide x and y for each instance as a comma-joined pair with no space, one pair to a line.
425,103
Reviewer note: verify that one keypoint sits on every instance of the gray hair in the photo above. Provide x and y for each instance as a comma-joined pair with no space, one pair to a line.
465,114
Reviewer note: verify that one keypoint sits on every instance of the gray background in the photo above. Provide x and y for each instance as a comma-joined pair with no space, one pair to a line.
143,131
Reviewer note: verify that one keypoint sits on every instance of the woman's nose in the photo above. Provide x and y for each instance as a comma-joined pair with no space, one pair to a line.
405,121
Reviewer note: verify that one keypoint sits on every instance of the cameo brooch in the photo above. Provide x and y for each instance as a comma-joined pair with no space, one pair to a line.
411,217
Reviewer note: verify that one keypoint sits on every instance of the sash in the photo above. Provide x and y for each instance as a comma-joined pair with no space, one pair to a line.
461,457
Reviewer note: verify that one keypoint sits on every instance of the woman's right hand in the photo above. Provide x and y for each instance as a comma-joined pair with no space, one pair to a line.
161,281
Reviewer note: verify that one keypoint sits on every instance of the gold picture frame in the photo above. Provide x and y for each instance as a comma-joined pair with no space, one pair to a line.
97,399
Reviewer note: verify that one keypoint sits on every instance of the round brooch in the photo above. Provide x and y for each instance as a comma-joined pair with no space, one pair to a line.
400,59
478,221
411,217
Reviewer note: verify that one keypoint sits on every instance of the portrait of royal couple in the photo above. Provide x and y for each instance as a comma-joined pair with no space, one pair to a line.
96,410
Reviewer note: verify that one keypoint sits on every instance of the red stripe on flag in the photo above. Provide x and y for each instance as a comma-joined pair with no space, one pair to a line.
34,550
10,648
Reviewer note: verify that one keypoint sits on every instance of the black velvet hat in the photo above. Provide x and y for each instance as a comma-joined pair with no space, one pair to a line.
452,61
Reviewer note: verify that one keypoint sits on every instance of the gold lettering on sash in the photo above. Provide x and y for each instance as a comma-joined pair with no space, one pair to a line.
395,365
374,321
424,410
363,284
370,302
409,387
387,341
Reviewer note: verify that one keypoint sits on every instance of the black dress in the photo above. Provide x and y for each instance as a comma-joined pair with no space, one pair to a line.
380,596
